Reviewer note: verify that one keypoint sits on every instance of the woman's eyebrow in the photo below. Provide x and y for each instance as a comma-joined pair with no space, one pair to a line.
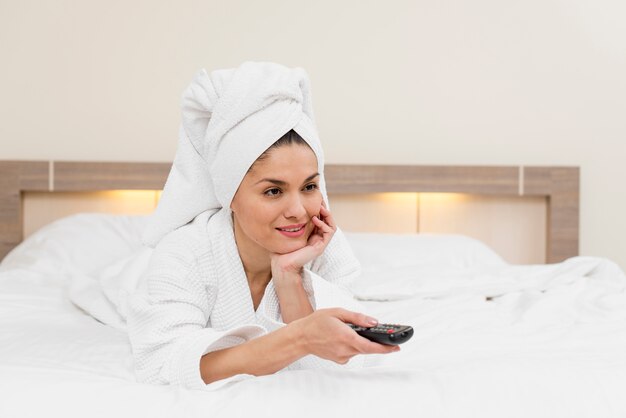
283,183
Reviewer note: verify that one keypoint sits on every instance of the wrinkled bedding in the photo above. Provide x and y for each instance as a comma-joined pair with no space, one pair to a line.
491,339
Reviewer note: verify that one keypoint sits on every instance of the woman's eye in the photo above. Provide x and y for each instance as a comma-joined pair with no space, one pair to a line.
310,187
272,192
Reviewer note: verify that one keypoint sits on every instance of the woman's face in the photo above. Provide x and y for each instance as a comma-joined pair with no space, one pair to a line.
276,200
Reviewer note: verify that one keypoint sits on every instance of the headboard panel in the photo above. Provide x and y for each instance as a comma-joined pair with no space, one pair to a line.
560,185
407,178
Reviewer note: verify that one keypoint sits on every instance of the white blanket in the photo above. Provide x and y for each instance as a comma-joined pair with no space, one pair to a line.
557,351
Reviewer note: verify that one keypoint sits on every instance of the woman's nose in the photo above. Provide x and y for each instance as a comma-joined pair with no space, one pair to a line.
295,208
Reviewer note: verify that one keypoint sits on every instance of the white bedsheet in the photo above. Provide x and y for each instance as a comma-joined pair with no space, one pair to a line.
556,348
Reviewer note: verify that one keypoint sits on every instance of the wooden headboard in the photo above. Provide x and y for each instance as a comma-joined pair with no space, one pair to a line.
559,185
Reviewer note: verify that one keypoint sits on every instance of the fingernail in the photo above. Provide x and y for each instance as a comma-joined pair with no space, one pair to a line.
372,321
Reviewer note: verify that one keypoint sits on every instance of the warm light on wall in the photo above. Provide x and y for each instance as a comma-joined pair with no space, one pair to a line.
132,195
444,198
404,198
41,208
122,194
410,196
397,198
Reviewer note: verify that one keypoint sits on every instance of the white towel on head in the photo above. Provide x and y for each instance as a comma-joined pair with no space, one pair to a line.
229,118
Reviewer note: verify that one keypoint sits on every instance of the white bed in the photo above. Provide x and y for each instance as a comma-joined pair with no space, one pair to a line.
491,339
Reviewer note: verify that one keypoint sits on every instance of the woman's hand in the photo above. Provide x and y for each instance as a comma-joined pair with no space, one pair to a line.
325,334
325,227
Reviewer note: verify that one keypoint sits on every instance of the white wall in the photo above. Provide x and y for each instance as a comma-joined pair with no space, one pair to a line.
401,82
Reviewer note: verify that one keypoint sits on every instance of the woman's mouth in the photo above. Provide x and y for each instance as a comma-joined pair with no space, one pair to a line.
292,231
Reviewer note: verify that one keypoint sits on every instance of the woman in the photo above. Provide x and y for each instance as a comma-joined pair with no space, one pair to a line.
249,271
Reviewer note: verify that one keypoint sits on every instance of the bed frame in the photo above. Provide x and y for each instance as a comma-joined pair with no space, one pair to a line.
559,185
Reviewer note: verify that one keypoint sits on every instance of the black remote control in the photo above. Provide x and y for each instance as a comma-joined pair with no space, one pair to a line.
390,334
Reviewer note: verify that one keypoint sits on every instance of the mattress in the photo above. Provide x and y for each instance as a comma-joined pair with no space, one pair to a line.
491,339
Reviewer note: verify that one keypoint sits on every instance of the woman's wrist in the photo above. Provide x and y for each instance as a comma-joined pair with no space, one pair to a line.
298,337
287,279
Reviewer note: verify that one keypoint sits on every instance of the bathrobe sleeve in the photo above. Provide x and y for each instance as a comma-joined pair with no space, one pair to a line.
167,322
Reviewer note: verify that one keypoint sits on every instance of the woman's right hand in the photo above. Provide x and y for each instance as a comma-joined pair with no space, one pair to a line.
326,335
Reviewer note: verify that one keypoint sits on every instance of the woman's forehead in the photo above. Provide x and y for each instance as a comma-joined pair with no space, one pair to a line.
288,159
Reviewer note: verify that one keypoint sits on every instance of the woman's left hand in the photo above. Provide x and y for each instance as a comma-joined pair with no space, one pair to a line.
325,227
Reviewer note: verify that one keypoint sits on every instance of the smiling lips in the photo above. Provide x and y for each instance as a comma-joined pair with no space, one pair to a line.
292,231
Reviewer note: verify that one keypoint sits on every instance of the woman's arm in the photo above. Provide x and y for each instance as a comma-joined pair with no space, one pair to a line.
261,356
323,333
293,299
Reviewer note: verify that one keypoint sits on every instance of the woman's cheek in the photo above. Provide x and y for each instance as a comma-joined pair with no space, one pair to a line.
314,204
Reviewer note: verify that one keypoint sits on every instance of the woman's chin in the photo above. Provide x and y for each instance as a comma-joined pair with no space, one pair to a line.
289,247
